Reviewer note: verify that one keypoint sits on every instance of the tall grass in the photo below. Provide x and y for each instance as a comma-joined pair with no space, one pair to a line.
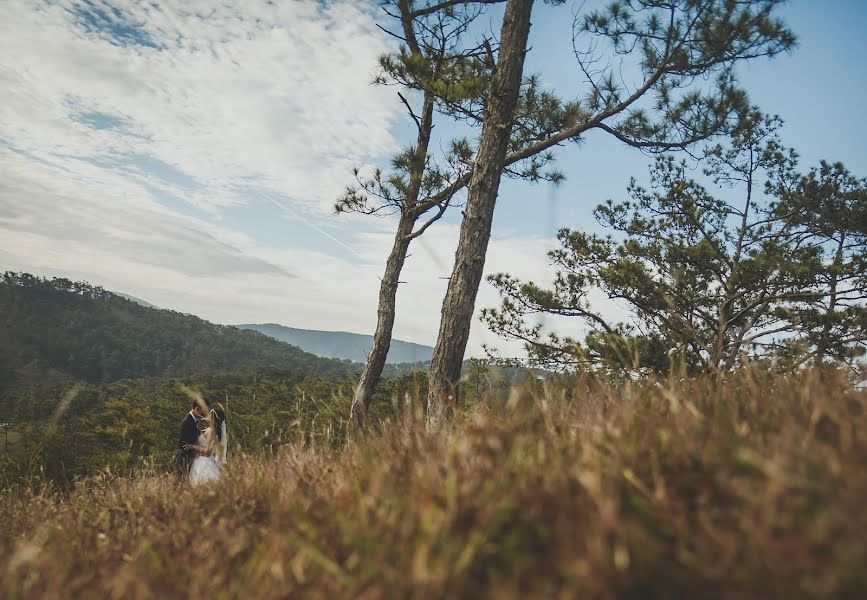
751,488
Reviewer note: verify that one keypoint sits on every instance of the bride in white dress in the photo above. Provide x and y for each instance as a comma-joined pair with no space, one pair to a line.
212,446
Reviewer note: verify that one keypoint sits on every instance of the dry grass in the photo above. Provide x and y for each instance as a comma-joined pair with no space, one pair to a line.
754,488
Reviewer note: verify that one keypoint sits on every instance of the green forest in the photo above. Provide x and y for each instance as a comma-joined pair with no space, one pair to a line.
71,329
92,381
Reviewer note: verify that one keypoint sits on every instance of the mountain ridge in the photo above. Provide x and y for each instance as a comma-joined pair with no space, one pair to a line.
139,301
344,345
60,330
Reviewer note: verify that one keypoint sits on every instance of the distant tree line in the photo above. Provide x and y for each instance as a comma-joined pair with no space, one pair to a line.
133,424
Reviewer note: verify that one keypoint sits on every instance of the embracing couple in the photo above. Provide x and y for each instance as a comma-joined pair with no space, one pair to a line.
203,443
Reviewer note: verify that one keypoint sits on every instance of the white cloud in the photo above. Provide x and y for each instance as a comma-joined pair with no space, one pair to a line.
274,93
49,218
104,233
110,109
128,130
431,260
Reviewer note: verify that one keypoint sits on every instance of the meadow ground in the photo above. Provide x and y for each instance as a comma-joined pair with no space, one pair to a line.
754,487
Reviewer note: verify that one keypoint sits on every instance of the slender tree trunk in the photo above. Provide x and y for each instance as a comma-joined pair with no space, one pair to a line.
823,345
384,323
460,299
372,372
719,360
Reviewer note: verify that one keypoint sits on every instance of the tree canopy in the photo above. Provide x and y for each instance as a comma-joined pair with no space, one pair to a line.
774,269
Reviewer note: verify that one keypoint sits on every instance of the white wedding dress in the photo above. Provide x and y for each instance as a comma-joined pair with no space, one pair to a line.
206,468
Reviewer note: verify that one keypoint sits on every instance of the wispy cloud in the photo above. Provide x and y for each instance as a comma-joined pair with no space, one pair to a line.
214,93
149,147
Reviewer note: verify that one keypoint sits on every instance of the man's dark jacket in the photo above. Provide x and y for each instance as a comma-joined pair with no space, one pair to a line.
189,435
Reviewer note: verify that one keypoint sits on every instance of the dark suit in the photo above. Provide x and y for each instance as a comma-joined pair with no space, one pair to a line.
189,435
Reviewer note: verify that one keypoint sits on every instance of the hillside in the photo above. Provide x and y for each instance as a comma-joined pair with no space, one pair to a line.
118,425
341,344
58,331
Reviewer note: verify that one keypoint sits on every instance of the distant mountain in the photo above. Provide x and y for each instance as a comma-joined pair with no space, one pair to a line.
341,344
59,331
137,300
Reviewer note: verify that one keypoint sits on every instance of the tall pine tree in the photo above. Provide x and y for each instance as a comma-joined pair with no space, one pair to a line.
685,51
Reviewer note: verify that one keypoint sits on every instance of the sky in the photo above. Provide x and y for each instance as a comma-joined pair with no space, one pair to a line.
190,153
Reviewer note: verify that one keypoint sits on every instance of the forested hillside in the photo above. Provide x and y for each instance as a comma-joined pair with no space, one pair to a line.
53,332
90,380
126,424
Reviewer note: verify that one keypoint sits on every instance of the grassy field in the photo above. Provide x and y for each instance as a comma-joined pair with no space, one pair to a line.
750,488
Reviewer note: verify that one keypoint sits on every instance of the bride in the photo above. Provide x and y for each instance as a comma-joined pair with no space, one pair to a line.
212,447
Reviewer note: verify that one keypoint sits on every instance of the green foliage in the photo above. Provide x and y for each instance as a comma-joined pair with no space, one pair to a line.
827,210
435,65
709,282
672,44
93,381
452,75
574,489
125,425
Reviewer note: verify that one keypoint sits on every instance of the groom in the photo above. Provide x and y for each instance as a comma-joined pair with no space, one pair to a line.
189,437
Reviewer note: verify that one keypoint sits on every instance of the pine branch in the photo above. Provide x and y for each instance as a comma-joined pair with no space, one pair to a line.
448,4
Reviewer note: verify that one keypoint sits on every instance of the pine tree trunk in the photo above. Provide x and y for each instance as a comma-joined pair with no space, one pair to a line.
460,299
384,322
823,345
372,372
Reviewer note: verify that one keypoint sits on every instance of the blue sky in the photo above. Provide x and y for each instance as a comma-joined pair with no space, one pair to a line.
818,90
189,153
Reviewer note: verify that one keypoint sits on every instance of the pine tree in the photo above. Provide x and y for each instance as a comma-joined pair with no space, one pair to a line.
774,271
482,195
677,46
827,211
449,77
